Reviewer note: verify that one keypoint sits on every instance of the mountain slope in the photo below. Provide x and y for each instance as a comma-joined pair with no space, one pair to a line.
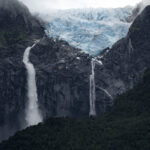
16,23
125,63
125,127
18,29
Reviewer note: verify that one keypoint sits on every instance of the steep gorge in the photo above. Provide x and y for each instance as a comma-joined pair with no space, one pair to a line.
62,72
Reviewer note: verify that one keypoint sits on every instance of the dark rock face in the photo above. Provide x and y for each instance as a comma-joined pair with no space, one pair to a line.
12,94
16,23
63,79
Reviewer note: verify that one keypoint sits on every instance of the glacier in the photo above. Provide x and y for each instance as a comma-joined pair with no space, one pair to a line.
90,30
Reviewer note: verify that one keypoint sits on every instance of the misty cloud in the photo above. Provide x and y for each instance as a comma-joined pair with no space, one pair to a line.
144,3
47,5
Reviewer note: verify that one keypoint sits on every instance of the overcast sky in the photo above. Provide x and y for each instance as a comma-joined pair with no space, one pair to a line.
41,5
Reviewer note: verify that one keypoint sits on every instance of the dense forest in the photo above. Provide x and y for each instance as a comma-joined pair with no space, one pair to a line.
125,127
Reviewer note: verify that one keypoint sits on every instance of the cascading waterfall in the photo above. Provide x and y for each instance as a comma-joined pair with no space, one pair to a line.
92,90
33,115
106,92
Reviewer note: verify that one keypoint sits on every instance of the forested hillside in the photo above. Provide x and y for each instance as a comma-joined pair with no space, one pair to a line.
126,127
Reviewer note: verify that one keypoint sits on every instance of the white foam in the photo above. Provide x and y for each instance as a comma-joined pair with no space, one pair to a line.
33,115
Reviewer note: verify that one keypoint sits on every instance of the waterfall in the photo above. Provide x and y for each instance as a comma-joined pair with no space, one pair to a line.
92,90
106,92
32,112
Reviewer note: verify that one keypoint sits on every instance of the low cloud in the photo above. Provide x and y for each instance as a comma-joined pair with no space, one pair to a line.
47,5
144,4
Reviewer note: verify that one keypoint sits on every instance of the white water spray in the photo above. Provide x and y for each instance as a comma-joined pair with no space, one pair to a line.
92,90
33,115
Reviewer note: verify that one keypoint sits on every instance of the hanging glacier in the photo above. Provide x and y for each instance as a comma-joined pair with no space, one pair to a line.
91,30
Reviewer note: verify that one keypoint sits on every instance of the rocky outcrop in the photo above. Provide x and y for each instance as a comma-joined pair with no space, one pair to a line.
16,23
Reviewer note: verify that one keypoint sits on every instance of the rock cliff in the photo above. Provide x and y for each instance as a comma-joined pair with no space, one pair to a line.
63,71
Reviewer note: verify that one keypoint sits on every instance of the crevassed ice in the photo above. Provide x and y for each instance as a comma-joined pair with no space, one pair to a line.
91,30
